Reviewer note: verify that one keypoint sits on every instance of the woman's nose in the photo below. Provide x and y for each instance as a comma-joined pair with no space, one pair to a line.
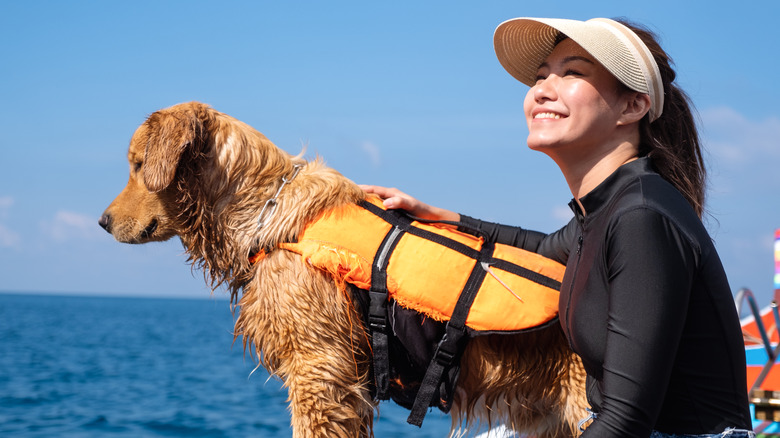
545,89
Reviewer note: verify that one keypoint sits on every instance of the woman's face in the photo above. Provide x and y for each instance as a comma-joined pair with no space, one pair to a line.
575,105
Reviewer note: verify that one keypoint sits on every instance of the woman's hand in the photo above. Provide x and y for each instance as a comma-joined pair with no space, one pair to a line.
393,198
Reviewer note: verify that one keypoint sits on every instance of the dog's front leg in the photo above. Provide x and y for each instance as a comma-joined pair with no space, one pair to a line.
308,333
322,405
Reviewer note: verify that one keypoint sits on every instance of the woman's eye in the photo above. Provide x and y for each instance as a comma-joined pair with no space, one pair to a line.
571,72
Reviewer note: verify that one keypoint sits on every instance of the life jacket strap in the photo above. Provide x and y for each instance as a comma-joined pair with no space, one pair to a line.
378,300
451,345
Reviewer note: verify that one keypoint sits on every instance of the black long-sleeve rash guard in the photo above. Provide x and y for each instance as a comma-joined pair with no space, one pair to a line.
646,304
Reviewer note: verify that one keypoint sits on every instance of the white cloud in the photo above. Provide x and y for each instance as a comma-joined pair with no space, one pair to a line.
67,225
8,239
738,141
742,154
372,150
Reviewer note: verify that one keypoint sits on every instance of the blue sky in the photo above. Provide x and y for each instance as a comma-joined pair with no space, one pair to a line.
403,93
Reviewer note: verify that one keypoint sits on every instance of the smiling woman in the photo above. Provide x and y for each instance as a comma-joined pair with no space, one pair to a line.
644,301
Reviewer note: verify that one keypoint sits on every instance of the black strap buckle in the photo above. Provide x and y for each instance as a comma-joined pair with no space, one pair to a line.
448,346
377,323
377,310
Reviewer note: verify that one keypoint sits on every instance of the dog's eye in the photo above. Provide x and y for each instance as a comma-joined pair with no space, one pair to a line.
136,166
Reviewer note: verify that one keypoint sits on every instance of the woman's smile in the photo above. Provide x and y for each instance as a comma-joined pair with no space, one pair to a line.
546,115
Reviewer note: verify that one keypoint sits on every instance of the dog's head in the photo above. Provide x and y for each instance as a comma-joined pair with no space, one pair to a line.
147,209
204,176
180,163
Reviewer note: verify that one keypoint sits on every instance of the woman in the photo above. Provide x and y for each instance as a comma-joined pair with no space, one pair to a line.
645,301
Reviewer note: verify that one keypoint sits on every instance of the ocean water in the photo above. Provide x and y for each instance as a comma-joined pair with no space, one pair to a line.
135,367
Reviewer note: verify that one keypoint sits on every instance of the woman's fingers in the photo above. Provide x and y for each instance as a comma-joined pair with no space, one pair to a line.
382,192
392,197
395,199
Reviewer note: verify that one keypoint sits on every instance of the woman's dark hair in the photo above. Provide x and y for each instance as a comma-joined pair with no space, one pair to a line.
672,141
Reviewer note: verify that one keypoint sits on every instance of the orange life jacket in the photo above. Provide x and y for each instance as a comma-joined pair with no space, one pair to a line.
473,285
430,266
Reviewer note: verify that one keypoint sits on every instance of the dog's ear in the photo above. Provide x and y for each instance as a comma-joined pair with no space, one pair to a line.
171,133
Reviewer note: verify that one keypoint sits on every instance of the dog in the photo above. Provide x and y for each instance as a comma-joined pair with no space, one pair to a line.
209,178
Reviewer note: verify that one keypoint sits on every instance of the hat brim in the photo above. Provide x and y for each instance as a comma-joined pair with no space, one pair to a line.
522,45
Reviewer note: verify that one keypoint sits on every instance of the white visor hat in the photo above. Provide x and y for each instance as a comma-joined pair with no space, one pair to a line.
522,45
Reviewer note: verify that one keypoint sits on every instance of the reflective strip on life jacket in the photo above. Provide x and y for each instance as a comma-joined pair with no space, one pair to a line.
430,266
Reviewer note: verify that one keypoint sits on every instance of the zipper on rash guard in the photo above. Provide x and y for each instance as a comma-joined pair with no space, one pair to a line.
571,287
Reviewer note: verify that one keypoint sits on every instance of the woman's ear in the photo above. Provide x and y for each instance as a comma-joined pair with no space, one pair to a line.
636,106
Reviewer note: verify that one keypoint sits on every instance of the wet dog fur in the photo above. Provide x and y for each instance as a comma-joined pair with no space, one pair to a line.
204,176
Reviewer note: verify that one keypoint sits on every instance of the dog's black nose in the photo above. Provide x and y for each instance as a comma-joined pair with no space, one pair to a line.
105,222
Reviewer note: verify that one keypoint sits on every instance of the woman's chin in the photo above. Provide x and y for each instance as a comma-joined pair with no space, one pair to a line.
540,144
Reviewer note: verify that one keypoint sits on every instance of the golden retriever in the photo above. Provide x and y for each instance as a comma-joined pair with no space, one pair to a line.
204,176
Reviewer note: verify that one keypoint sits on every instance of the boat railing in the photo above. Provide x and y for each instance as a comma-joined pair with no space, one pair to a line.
772,352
